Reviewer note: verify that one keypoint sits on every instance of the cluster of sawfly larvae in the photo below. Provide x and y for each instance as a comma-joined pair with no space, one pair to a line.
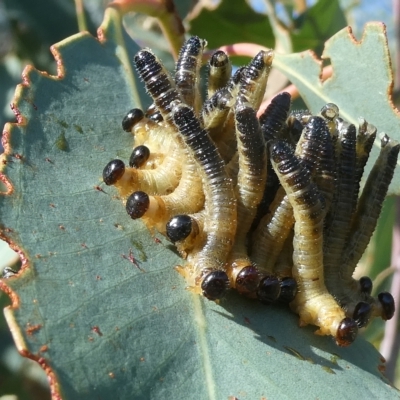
266,205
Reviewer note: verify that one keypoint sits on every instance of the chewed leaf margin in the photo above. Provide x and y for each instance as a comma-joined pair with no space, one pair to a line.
360,82
191,336
112,38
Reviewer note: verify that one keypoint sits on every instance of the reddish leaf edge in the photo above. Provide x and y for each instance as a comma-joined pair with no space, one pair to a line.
9,156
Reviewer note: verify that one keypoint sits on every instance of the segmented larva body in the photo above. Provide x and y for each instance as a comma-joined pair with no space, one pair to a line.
220,114
364,224
187,74
158,81
158,180
273,118
271,233
254,78
162,208
313,303
272,123
219,72
275,226
214,116
252,176
338,220
200,173
220,215
324,175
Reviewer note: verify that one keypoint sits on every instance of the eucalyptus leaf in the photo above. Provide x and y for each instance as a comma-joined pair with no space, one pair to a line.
98,303
361,82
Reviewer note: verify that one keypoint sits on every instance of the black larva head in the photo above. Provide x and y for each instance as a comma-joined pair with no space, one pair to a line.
347,332
288,290
154,114
269,290
179,228
387,303
137,204
214,285
362,314
113,172
139,156
247,280
279,150
157,117
132,118
219,59
366,285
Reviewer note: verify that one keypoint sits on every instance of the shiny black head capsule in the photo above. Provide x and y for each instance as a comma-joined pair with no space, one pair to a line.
139,156
288,290
219,59
179,228
153,113
387,302
347,332
269,290
113,172
247,280
137,204
214,285
362,314
366,285
132,118
157,117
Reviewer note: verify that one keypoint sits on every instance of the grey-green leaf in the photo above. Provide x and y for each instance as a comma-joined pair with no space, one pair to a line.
361,83
98,302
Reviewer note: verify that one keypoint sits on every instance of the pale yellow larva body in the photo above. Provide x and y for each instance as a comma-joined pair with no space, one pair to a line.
251,179
220,215
313,302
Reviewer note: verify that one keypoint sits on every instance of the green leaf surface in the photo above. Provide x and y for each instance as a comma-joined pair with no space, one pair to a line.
317,24
361,83
103,327
224,24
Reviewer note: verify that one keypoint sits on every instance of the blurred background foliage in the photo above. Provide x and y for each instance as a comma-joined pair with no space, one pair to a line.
28,29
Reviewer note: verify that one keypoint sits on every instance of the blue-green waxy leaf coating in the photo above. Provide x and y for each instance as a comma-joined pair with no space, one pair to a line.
98,300
360,85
